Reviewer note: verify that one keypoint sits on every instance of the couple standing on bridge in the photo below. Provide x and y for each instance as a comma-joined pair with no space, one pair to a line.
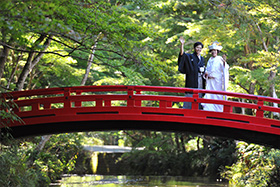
214,77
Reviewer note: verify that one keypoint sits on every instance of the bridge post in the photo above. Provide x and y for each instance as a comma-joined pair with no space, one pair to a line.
67,102
259,109
78,103
195,103
130,99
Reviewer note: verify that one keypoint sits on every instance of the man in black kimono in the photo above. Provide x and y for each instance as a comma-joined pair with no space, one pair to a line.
194,67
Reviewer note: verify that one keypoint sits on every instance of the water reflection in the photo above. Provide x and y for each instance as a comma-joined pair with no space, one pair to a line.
133,181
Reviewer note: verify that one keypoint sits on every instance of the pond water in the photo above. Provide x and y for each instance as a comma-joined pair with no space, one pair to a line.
135,181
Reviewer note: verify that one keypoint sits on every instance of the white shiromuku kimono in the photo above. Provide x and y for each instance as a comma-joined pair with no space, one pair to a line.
217,80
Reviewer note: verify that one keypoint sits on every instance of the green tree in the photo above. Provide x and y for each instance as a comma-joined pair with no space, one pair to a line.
54,30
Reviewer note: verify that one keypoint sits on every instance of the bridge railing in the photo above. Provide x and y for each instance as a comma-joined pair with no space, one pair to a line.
36,101
72,109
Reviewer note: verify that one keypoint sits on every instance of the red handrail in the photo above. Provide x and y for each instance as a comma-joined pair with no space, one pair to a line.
25,98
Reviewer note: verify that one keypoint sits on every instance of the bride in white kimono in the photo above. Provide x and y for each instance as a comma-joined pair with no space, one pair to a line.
216,77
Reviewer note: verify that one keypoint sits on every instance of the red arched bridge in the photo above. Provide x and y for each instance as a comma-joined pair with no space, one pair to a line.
93,108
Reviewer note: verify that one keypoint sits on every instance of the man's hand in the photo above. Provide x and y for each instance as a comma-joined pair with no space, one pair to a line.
182,40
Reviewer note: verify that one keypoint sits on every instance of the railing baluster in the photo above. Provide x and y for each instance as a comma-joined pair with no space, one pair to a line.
227,109
107,103
138,102
35,107
169,104
99,102
78,103
162,104
47,106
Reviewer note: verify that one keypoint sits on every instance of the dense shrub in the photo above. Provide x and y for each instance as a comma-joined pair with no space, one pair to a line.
204,162
21,164
256,166
13,169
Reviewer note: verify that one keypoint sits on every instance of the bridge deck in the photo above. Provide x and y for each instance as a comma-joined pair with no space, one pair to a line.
143,107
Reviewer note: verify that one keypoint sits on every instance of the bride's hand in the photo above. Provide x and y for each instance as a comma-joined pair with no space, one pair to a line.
205,75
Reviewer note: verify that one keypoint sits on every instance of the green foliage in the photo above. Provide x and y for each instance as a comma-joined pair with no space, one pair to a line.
152,162
59,156
7,114
13,168
120,50
256,166
22,164
162,156
248,31
59,72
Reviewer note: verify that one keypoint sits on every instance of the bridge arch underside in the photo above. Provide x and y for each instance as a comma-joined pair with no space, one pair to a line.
225,128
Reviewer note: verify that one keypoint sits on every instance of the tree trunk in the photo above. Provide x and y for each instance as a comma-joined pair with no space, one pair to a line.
38,149
251,91
272,91
148,134
252,87
26,70
243,109
42,143
3,59
262,39
15,65
277,41
247,49
182,143
30,64
90,60
177,141
39,78
197,143
32,61
206,141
